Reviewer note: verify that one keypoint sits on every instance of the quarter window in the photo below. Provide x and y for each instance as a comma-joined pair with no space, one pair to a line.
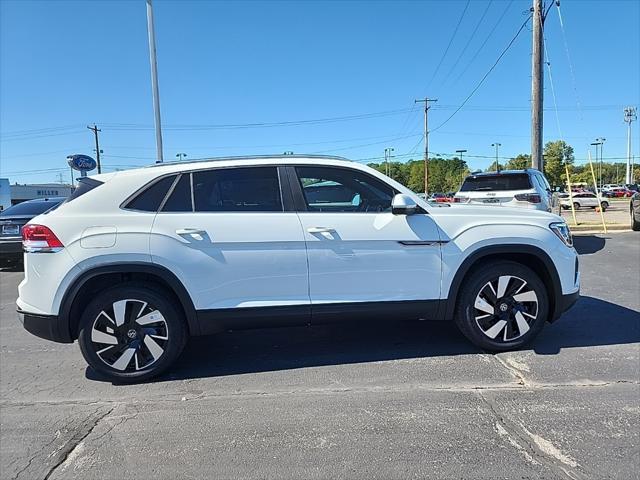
252,189
149,200
328,189
180,198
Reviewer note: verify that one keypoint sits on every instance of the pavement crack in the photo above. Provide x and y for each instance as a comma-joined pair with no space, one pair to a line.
536,449
68,449
515,368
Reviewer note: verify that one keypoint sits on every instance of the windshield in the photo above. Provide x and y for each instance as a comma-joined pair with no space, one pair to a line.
30,208
496,182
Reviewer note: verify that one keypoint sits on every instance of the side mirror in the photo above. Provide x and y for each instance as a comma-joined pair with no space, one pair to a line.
403,205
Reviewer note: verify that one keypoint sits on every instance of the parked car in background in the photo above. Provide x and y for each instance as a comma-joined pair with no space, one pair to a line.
634,211
512,188
14,218
584,199
440,198
143,258
621,192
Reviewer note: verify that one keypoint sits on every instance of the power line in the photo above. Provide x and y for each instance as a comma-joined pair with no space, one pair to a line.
485,76
475,55
473,34
131,126
453,35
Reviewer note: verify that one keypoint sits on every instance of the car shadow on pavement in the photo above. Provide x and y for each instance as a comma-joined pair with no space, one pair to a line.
591,322
12,267
588,244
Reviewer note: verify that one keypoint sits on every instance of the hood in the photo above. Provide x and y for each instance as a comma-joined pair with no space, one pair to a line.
459,217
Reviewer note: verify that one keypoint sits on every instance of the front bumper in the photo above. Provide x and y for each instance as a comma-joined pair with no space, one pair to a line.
564,303
48,327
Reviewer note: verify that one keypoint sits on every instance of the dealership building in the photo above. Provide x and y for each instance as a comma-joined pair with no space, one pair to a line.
16,193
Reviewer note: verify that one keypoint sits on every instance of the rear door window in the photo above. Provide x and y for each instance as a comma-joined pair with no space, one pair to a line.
497,183
251,189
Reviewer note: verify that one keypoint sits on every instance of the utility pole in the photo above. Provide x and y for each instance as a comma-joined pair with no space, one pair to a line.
629,116
95,131
460,152
426,101
154,80
497,145
537,78
180,156
387,157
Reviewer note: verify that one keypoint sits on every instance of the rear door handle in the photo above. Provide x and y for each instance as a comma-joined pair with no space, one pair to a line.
321,230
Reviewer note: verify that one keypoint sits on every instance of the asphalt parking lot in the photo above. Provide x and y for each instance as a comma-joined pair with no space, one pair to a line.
394,400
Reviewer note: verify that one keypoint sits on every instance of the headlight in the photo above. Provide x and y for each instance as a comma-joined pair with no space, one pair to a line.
562,231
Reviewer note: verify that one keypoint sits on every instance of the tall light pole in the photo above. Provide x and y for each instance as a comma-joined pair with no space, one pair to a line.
629,116
497,145
460,152
154,80
180,156
599,141
387,157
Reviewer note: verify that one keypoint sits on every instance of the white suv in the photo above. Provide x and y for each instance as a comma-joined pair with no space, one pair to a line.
136,261
527,188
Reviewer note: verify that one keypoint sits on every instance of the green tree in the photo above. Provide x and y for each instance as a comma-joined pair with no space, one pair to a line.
520,162
557,155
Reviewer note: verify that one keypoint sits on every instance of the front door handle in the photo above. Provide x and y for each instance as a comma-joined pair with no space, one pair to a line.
321,230
196,233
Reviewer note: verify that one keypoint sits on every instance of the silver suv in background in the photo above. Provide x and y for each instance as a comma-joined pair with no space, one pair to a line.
512,188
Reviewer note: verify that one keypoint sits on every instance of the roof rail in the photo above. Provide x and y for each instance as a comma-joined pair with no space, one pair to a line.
250,157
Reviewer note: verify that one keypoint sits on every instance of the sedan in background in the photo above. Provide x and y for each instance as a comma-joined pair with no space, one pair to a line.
14,218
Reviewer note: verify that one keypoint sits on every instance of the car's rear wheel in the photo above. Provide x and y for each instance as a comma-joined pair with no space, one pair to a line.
604,206
502,306
131,332
576,205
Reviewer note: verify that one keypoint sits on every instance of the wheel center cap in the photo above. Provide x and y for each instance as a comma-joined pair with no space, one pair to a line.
132,334
504,307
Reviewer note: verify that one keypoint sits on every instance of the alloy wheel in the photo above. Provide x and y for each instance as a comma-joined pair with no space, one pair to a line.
130,335
505,308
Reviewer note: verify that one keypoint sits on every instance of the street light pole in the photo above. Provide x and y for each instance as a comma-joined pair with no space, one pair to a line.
629,116
154,81
181,156
497,145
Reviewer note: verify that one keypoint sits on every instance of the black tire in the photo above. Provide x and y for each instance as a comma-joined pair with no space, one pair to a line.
479,325
635,223
156,343
604,206
576,205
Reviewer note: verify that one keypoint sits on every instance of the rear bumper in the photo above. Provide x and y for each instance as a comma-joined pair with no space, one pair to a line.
48,327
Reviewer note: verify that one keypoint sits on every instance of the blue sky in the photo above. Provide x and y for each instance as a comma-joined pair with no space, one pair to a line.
64,65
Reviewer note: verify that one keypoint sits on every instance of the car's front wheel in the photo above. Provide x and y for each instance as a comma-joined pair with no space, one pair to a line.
131,332
635,223
502,306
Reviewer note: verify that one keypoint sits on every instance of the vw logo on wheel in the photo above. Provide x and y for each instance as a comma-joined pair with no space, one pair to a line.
503,307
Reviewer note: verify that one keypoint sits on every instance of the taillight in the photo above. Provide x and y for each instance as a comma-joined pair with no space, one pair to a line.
460,199
528,197
40,239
